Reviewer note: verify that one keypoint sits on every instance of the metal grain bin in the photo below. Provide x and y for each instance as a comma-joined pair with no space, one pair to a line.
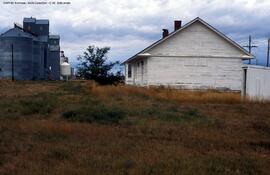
22,55
38,60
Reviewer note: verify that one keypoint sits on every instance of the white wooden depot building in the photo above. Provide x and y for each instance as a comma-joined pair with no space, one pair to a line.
195,56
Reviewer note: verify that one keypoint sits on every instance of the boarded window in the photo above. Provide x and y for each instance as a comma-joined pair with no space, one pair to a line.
142,63
129,71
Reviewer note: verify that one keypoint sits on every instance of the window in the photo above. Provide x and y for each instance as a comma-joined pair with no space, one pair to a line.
29,28
129,71
41,28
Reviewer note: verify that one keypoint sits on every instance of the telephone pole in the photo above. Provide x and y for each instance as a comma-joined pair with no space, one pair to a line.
250,46
268,49
12,63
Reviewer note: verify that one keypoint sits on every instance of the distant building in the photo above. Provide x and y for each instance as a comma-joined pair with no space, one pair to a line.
35,53
195,56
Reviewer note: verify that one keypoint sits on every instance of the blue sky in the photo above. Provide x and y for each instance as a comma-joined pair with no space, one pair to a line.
128,26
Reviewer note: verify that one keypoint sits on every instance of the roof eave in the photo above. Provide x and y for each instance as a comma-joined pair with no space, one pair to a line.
138,56
248,57
185,26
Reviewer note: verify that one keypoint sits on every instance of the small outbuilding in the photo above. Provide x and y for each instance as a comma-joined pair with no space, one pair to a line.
256,84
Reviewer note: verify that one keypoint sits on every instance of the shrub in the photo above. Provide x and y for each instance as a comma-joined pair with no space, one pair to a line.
37,105
48,137
58,154
94,66
72,87
98,113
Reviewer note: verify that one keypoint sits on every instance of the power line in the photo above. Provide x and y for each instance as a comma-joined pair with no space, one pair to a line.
250,46
12,63
268,48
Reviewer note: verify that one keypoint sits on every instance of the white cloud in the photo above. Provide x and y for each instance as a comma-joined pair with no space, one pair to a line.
129,26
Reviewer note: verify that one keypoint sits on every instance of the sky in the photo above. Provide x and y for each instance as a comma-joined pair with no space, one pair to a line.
128,26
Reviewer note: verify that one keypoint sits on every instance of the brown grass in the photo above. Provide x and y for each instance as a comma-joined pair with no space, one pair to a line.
165,132
183,96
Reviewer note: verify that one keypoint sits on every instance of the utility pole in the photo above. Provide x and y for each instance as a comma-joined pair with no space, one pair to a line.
12,63
268,49
250,46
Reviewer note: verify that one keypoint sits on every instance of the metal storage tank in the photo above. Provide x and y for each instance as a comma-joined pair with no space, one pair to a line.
22,54
65,70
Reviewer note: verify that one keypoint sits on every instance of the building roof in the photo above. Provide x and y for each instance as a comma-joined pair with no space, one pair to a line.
54,37
144,52
249,66
29,20
42,21
16,32
34,20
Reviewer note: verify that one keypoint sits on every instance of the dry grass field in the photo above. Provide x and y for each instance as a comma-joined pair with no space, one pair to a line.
81,128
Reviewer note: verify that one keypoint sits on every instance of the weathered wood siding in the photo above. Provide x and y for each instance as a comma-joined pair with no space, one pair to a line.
139,73
195,58
257,82
196,40
196,73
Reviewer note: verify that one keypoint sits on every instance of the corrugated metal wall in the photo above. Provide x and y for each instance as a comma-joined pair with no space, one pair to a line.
54,63
23,58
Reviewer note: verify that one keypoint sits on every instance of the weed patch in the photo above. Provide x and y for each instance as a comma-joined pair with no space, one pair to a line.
218,165
260,145
58,154
38,105
179,116
10,109
98,113
71,87
48,137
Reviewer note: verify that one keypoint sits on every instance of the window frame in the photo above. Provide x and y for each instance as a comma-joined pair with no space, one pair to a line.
129,70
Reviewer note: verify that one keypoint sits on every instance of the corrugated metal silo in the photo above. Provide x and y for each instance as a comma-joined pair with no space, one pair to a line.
36,59
22,55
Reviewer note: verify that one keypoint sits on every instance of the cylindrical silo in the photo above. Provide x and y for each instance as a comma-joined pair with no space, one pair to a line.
65,70
22,56
42,59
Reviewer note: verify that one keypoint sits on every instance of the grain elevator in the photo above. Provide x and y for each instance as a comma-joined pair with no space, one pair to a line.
29,52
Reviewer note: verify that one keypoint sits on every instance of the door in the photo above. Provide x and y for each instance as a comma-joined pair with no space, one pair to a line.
245,83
